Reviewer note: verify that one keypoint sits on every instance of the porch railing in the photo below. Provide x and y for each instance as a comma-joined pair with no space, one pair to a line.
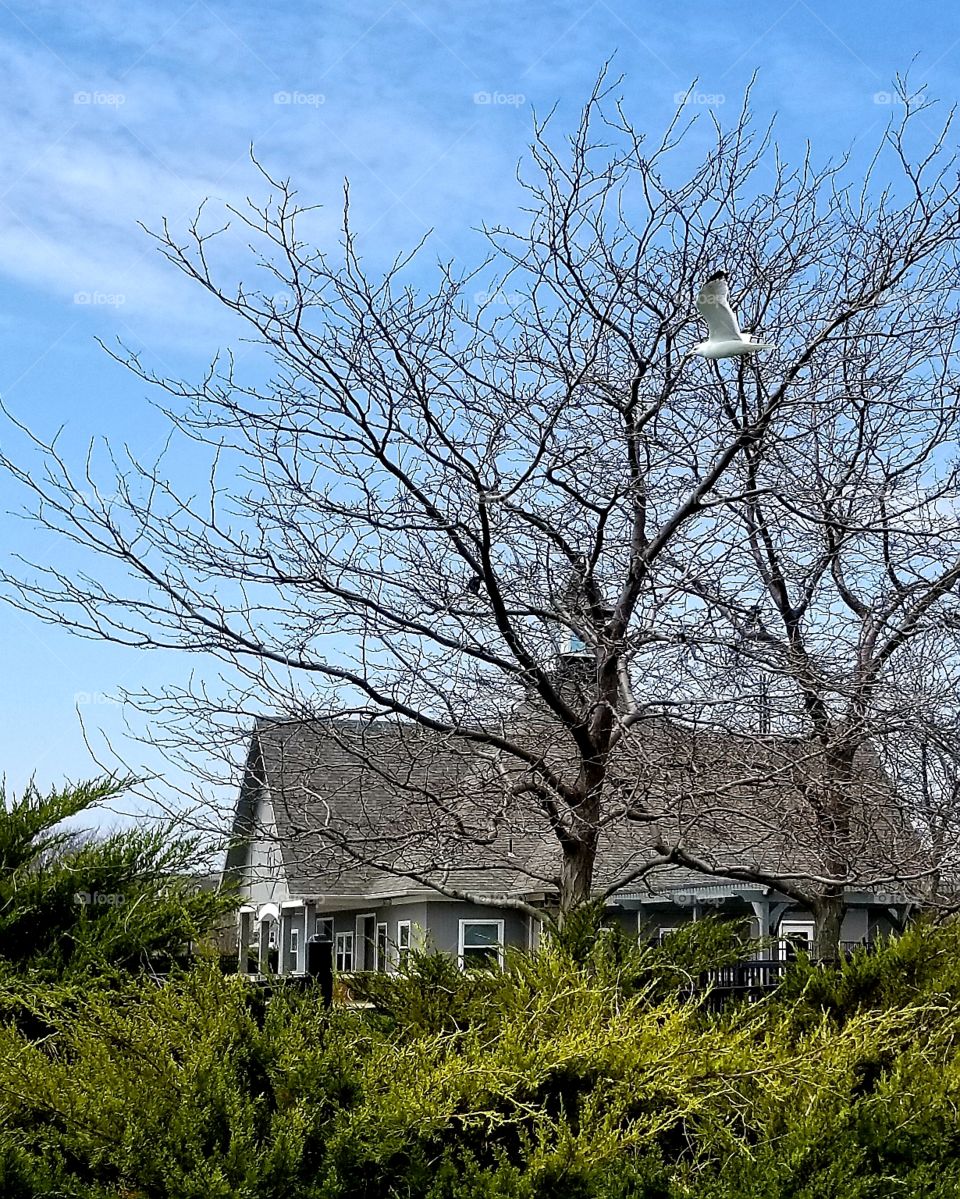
757,977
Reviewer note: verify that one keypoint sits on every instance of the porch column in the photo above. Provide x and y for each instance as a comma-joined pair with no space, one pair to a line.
264,955
303,938
244,935
285,940
777,912
768,916
761,909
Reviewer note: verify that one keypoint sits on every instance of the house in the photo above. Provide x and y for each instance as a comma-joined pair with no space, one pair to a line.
368,833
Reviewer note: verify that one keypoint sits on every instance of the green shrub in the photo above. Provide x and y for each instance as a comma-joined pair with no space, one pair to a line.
925,960
579,1076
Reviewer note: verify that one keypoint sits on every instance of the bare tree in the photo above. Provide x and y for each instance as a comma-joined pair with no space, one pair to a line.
445,481
840,597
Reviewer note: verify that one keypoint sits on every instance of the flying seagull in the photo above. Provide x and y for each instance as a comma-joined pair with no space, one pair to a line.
725,340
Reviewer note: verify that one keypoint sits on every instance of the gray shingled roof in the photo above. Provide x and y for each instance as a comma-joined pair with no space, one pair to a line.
406,796
376,786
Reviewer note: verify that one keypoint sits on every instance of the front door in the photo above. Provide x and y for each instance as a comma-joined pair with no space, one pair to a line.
366,942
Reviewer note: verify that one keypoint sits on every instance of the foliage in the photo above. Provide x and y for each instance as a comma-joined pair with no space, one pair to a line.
581,1079
68,905
895,972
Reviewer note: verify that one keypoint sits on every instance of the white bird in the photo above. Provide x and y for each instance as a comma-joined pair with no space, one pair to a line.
725,340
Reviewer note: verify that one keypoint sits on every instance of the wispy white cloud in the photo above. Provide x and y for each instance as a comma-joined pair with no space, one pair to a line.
119,111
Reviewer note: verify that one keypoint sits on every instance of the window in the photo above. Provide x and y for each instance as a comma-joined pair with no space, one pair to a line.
323,928
381,962
404,941
294,949
344,952
794,936
481,943
272,938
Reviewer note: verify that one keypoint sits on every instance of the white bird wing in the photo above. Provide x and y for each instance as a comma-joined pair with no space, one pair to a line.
714,307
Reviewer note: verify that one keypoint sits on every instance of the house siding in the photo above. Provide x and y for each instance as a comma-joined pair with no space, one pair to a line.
263,878
435,925
443,922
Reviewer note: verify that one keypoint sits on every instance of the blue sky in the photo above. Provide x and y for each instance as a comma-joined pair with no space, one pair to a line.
119,113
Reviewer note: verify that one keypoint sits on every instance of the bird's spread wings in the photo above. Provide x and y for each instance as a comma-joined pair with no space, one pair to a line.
714,307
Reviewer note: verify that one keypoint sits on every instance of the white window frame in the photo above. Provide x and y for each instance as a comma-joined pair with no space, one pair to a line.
404,926
342,949
787,927
295,949
380,964
498,924
322,920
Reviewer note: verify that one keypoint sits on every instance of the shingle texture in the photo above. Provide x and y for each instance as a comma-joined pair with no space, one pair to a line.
359,806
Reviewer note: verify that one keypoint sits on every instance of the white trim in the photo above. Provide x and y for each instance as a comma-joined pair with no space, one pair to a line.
340,950
379,966
786,928
415,896
406,925
323,920
460,943
361,940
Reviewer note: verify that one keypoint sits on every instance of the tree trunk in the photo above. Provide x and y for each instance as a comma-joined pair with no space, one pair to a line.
576,874
828,917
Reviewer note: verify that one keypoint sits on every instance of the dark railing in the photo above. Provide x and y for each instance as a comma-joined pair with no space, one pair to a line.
744,980
758,977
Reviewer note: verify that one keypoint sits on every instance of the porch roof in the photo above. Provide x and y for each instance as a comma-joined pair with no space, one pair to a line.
687,894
